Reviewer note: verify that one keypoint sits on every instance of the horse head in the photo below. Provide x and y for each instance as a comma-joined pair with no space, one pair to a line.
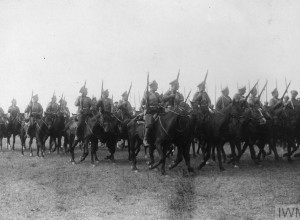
49,120
108,122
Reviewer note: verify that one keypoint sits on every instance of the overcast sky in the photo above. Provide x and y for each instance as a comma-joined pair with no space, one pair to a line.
58,44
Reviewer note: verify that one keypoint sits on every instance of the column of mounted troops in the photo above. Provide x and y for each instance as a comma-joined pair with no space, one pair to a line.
153,104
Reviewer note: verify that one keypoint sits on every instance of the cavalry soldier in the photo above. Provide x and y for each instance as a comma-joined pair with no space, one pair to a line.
125,106
94,106
172,97
240,95
274,100
105,104
64,108
2,115
154,104
294,102
224,100
253,100
52,107
202,99
13,110
84,104
286,99
33,112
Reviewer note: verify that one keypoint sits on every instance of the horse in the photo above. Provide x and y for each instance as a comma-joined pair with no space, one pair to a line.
40,130
14,127
57,129
215,129
3,129
257,129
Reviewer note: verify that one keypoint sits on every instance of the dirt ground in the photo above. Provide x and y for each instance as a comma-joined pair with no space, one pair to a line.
52,188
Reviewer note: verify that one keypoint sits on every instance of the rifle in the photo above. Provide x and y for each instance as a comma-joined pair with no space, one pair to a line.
31,103
287,87
101,90
129,89
81,100
61,99
205,77
251,90
147,94
188,96
262,90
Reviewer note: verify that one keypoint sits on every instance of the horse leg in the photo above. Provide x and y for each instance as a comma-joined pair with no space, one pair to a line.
178,158
252,153
72,148
213,155
30,145
160,152
133,145
85,151
111,144
8,140
219,152
242,151
163,162
233,159
194,148
206,154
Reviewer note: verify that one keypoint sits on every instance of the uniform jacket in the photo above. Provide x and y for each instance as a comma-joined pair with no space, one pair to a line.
14,111
222,102
52,107
86,103
169,101
154,100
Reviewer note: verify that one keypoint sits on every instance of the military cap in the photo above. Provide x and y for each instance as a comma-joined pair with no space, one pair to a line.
242,88
201,86
153,83
125,94
274,91
294,92
13,100
225,89
286,97
83,89
174,82
105,92
35,96
53,97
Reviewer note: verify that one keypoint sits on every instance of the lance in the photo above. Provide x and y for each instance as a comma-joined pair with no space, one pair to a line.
129,89
31,102
266,93
178,75
251,90
215,94
188,96
101,90
249,85
263,89
81,100
134,100
147,89
287,91
287,87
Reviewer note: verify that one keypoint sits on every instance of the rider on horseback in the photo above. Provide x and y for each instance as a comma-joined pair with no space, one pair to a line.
105,104
240,95
275,101
34,111
293,102
52,107
154,102
125,106
223,100
84,104
202,99
172,97
13,110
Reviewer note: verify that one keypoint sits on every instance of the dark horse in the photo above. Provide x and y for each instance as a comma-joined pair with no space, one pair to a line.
165,129
215,129
14,128
40,131
3,129
57,129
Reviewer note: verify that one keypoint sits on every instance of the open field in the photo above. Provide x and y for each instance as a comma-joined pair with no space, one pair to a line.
52,188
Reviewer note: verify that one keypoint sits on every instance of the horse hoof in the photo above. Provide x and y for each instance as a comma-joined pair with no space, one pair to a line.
134,168
31,154
236,166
